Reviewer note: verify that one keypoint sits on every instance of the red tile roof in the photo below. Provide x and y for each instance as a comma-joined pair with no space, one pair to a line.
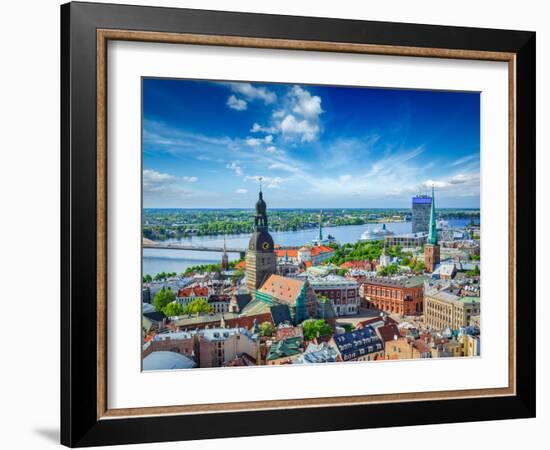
388,332
282,288
315,251
292,252
356,265
196,291
240,265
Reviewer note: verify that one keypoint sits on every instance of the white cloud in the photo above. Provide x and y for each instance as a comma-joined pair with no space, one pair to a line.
271,149
257,128
302,129
154,181
300,118
305,104
241,191
471,179
235,103
285,167
254,142
235,167
165,185
253,93
464,160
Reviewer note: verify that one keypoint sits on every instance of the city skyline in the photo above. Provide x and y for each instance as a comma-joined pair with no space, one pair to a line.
205,144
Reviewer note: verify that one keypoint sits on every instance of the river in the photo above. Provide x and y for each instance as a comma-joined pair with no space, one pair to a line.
155,261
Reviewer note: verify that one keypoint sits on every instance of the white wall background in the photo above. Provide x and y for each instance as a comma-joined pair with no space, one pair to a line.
29,219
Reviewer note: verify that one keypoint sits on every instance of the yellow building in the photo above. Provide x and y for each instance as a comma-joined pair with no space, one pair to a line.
471,345
443,309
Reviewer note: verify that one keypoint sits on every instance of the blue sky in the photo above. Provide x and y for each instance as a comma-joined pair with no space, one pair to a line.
205,144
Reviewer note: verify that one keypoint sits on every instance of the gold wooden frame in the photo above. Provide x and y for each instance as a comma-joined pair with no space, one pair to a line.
103,36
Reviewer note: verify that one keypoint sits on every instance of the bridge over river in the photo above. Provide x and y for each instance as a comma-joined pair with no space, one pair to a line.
147,243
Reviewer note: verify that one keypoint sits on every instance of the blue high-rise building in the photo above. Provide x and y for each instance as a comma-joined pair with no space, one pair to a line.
421,208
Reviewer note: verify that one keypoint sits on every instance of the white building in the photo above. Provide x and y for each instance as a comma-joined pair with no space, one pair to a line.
219,346
342,292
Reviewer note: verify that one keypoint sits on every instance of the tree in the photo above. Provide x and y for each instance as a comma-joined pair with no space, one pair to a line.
474,273
173,309
390,269
198,306
147,278
162,298
341,272
419,267
266,329
314,328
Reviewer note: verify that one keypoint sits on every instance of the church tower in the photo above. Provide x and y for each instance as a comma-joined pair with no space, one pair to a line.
261,259
225,257
432,249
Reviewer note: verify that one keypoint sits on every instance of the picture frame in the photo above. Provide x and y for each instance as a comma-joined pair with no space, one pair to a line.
86,418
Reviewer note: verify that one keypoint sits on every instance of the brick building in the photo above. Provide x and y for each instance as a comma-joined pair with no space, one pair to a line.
400,296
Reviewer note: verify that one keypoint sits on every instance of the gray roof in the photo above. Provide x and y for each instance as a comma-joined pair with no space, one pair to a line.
167,361
322,353
243,300
280,314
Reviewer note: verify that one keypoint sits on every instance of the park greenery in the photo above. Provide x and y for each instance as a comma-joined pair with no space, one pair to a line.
475,272
316,328
360,251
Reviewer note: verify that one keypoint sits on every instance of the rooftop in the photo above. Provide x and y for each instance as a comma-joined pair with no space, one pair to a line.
358,343
285,348
282,288
167,361
407,282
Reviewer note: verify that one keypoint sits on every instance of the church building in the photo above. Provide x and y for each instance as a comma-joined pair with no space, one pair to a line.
267,287
432,248
261,259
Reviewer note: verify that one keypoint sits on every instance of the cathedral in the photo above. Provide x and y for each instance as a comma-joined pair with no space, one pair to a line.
266,286
261,259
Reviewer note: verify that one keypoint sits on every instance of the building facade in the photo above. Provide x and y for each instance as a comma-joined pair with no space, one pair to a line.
343,293
399,296
218,346
406,240
421,206
443,310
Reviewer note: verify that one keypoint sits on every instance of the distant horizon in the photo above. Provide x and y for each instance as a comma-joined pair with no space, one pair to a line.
207,144
251,208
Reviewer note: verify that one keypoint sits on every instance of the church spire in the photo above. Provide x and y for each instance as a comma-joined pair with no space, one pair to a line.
260,221
432,234
320,227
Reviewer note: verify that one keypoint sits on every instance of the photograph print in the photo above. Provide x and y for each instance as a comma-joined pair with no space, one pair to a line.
289,224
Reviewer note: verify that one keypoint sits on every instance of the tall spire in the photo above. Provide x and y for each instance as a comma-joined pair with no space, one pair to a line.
320,227
432,234
260,221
